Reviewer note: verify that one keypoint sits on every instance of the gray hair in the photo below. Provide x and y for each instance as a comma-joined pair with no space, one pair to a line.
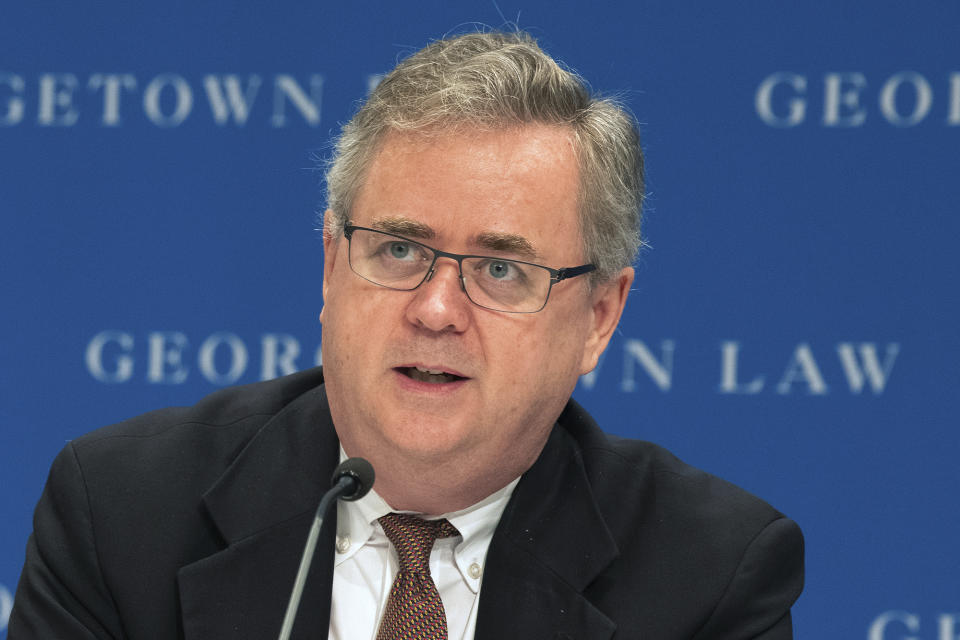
493,80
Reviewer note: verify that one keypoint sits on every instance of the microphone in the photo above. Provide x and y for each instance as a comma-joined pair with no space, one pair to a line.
352,479
358,476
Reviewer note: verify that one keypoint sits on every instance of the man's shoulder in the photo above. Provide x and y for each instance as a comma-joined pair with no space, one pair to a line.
634,480
216,427
222,408
636,465
694,554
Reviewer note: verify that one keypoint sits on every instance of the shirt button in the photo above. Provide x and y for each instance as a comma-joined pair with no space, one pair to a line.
474,570
343,544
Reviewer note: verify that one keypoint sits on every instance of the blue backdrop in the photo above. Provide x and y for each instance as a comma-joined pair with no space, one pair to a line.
793,328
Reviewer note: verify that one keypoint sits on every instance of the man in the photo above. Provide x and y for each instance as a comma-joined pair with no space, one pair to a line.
483,216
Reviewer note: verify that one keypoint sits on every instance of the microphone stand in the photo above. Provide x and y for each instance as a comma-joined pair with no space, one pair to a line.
353,479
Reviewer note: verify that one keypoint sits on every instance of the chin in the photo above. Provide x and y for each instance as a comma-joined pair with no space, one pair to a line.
429,437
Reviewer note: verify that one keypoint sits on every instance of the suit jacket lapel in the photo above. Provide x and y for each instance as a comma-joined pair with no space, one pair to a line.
550,544
263,506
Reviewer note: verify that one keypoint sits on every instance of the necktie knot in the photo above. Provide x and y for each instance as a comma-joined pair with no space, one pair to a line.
413,538
414,609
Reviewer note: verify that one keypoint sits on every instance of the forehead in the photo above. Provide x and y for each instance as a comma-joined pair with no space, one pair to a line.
466,185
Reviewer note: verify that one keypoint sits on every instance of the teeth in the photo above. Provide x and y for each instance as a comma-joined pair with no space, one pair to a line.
428,375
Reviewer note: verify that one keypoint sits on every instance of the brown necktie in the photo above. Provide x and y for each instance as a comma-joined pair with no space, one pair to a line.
414,609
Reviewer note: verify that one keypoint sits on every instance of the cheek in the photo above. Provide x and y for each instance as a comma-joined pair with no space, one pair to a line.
542,359
563,345
342,323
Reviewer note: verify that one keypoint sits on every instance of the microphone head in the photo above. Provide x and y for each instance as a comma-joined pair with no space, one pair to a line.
360,472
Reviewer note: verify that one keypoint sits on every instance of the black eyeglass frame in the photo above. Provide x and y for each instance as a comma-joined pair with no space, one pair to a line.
556,275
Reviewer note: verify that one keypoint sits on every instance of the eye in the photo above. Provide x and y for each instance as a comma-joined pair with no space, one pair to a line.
501,270
399,250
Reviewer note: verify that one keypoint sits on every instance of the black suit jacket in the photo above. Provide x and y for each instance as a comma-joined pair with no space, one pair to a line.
189,523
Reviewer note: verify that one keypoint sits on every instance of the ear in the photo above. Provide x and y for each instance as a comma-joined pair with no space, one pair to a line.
330,245
607,302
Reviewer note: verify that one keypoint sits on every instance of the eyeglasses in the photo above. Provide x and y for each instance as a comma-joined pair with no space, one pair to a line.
498,284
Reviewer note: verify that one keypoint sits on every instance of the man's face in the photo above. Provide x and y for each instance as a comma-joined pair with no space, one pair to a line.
486,193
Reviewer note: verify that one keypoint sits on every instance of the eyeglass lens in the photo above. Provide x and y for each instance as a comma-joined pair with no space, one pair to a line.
495,283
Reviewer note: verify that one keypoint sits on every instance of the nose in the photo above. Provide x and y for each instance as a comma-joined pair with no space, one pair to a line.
440,303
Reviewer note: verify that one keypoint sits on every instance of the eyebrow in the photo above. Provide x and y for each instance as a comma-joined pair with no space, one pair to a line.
404,227
507,243
501,242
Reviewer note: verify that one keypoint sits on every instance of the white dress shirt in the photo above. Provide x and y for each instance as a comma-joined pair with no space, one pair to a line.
366,564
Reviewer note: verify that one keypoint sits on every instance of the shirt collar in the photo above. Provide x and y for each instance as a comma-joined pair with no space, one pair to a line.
357,525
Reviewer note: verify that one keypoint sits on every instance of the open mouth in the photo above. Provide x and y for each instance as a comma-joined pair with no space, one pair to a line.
430,376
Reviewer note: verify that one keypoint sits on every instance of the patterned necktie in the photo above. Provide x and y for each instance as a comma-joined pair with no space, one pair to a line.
414,609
